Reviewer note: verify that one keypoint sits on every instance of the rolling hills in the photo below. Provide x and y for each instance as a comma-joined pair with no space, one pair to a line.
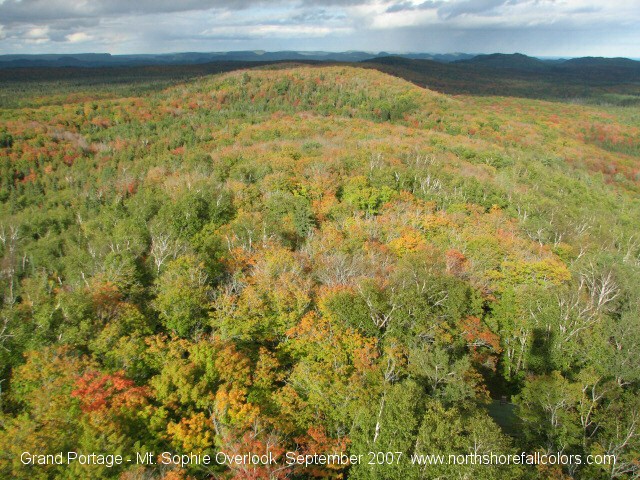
318,259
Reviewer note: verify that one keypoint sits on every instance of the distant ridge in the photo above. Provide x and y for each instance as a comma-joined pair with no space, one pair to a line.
181,58
515,61
601,62
194,58
502,60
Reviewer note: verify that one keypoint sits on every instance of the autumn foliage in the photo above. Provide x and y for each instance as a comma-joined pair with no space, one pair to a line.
318,260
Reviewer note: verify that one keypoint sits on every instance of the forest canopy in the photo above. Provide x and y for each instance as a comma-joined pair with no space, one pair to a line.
317,260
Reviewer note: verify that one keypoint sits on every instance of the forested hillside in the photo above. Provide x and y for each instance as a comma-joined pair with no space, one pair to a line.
318,260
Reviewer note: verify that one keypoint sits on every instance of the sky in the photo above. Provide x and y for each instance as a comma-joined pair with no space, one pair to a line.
536,27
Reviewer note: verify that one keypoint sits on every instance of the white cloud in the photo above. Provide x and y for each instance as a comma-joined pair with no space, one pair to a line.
273,31
37,33
78,37
502,13
405,18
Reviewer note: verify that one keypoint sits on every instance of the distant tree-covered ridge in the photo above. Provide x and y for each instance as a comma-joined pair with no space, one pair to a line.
318,260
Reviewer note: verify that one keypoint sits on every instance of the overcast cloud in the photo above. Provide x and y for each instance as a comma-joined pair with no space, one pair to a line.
536,27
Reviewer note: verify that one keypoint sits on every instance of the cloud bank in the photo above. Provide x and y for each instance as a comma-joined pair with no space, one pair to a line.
537,27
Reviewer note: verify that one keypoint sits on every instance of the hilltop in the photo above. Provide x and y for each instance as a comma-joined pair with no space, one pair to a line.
587,80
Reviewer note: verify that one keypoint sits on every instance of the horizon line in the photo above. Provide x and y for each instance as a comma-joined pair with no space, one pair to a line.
316,52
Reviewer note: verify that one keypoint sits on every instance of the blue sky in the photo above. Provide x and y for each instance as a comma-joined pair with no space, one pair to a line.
535,27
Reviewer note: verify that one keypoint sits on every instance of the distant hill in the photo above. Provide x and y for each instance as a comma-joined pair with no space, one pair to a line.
501,60
516,61
601,62
403,61
438,57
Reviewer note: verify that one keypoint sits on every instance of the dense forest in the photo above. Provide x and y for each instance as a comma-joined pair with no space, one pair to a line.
317,259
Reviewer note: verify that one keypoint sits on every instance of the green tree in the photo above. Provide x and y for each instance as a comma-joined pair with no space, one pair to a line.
183,296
